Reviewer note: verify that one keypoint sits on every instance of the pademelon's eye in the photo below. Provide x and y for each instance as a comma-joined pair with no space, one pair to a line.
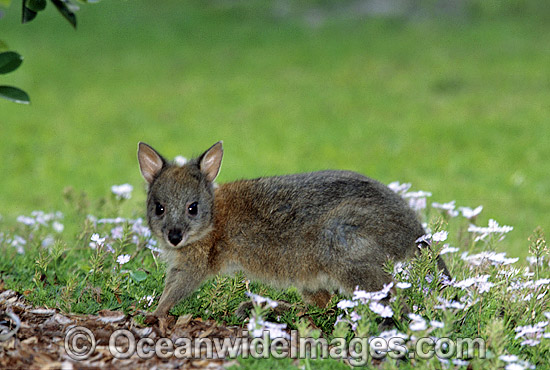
193,209
159,209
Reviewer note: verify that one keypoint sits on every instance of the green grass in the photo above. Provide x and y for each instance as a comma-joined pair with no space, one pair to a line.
456,107
500,301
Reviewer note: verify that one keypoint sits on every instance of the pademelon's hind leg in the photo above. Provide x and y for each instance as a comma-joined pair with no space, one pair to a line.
320,297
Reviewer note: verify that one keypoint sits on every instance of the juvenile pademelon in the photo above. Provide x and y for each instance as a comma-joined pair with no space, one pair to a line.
319,231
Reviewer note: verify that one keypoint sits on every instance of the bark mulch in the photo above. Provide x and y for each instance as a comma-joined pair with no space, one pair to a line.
40,338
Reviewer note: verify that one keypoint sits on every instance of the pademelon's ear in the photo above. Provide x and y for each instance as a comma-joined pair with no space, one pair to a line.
150,162
211,161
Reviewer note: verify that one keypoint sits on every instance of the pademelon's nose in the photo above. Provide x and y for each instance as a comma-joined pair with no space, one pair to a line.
175,236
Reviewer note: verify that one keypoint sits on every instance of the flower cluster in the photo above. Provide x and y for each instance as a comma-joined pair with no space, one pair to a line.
479,278
493,228
123,191
118,228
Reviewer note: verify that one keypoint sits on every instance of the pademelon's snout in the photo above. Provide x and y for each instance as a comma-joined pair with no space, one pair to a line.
176,237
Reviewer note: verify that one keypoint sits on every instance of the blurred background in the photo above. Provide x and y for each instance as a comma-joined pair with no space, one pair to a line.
452,96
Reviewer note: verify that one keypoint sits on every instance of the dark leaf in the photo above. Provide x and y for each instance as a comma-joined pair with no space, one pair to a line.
28,14
36,5
9,61
14,94
64,7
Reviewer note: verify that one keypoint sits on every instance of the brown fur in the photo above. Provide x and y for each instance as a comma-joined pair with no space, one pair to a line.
320,231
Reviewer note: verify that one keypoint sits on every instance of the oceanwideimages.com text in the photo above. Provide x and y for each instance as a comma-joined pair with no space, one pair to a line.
80,344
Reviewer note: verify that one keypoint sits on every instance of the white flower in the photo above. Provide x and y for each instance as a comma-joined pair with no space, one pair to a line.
447,249
418,323
534,260
417,204
426,239
117,220
479,281
449,304
42,218
508,358
530,342
470,213
380,309
123,258
58,226
440,236
530,330
152,245
542,282
117,232
485,286
29,221
449,207
436,324
459,362
403,285
492,257
417,194
399,188
372,296
493,228
18,243
393,333
258,326
123,191
96,241
354,316
259,300
48,241
344,304
514,366
149,299
140,229
466,283
417,199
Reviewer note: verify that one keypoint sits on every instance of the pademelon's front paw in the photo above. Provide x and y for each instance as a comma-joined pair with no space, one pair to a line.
153,318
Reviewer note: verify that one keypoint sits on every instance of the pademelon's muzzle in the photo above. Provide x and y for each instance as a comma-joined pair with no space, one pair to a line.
176,237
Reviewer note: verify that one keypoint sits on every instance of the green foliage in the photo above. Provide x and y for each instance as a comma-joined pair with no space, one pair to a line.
31,8
9,62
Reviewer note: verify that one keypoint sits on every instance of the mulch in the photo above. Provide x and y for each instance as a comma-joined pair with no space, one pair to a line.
36,338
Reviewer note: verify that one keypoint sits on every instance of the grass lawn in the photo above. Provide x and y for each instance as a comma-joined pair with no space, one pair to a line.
459,108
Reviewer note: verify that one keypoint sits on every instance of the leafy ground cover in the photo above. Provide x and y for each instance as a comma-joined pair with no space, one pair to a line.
112,264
